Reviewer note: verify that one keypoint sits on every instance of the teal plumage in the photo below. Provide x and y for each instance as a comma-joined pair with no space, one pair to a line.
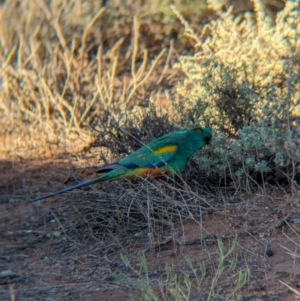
166,155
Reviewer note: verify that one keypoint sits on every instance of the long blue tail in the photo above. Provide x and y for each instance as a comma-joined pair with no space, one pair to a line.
110,176
87,183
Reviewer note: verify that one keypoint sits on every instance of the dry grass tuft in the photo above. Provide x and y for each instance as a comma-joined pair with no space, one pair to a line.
61,76
122,213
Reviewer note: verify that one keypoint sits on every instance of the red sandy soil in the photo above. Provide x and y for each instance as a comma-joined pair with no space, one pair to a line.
38,261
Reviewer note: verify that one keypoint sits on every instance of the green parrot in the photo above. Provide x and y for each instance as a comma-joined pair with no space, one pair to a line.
166,155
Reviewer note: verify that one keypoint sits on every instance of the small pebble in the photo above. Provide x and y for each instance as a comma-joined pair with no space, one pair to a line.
268,253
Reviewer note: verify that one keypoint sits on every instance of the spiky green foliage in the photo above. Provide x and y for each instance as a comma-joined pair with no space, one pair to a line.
188,284
244,80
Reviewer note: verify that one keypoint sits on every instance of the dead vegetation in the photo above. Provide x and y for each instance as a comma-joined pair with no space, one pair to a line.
85,83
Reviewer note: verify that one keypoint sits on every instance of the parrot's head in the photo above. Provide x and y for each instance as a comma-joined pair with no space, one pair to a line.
203,135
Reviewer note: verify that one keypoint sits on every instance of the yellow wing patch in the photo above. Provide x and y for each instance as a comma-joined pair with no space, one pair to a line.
165,150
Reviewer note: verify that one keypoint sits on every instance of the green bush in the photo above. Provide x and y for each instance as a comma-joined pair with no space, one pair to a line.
244,81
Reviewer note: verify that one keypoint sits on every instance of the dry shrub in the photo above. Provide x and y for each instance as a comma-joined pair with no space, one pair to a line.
243,80
144,210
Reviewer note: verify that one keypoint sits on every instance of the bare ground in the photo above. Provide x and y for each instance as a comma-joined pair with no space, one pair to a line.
42,260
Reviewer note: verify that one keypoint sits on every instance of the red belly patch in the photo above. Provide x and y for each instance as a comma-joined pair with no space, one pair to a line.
154,172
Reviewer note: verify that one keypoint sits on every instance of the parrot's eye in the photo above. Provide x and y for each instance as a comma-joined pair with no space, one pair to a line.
207,140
